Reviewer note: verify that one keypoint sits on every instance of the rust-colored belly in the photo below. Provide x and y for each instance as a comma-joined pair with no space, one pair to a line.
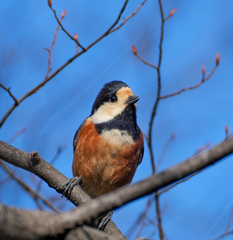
102,165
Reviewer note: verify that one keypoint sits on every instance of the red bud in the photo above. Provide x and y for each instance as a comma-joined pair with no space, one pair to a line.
63,13
50,3
226,129
76,36
134,49
217,59
172,12
173,135
203,70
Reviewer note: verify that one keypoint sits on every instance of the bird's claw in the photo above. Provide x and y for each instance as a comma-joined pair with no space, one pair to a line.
104,219
70,185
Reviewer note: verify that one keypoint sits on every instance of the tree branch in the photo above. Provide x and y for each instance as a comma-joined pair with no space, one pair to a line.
33,163
63,29
35,195
126,19
102,204
11,95
127,194
47,79
204,79
34,226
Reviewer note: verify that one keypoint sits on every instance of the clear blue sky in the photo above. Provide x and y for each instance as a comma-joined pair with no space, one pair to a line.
196,209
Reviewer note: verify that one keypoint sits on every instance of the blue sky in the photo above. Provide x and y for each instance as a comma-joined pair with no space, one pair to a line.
196,209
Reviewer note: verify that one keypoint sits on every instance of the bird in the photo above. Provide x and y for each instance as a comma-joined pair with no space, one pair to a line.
108,146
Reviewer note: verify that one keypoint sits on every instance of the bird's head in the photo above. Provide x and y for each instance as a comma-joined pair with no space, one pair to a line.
113,99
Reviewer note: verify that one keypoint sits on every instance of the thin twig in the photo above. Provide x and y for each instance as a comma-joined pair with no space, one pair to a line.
229,136
224,235
154,110
202,148
77,46
59,151
165,149
153,114
177,183
144,61
30,191
227,231
141,218
158,215
12,96
63,29
227,133
193,87
170,14
5,180
51,47
40,85
17,134
126,19
229,221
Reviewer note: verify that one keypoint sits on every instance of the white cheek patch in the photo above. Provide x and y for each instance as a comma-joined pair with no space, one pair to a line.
107,112
117,138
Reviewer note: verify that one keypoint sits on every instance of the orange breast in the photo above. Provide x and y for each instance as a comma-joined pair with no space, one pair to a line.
101,165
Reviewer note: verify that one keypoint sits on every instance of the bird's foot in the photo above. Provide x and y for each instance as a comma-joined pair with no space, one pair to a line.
103,220
70,185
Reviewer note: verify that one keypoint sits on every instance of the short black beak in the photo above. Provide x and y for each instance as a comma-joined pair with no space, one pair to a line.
132,99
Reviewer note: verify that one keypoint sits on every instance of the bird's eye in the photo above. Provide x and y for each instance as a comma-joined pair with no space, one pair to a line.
113,99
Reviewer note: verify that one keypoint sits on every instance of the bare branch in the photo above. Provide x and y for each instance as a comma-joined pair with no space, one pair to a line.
51,47
12,96
40,85
59,151
102,204
17,134
224,235
27,189
135,52
170,14
33,163
177,183
153,114
21,224
126,19
204,79
126,194
141,218
63,29
154,110
165,148
227,231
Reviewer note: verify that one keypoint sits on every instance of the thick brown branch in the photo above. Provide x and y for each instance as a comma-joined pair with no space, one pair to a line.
21,224
33,163
86,212
127,194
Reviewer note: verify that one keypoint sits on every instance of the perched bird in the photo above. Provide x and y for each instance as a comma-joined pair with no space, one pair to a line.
108,146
